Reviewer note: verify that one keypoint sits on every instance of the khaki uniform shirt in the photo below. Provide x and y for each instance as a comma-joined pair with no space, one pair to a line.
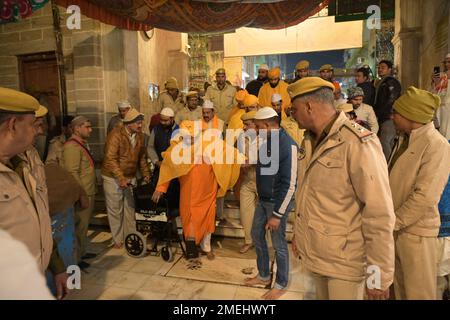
55,150
166,101
186,114
77,161
223,99
344,212
24,211
417,179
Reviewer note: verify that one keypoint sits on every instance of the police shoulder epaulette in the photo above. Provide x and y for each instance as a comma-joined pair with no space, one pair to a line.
362,133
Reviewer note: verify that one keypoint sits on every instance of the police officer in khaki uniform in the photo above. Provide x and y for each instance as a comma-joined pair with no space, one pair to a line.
23,197
78,160
419,167
222,95
344,212
171,97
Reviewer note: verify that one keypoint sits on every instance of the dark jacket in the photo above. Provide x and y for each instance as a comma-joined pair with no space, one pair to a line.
369,92
387,92
162,138
277,186
63,189
253,87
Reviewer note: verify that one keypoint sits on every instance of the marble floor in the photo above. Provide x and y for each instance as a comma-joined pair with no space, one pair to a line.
114,275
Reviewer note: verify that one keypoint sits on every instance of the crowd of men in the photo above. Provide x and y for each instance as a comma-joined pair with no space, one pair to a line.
367,177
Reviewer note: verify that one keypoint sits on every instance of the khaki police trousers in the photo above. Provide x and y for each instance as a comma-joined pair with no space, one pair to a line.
415,267
82,219
328,288
248,197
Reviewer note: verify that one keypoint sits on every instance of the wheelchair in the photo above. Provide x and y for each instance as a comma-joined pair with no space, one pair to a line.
156,221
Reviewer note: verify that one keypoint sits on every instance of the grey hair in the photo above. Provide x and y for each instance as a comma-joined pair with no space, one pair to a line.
323,95
5,117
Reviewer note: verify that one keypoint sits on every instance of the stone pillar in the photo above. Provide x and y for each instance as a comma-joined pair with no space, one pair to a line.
88,94
407,41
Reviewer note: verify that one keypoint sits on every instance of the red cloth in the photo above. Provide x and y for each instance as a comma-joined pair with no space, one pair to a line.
198,16
154,121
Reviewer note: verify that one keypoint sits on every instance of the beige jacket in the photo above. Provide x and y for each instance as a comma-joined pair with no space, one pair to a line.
186,114
78,161
25,219
166,101
344,212
366,113
417,179
223,99
55,150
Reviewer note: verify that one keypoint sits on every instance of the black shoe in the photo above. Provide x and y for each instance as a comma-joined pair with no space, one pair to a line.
89,256
191,250
84,265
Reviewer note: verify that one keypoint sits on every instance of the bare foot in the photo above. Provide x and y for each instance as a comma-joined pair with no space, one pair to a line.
256,281
273,294
245,248
118,245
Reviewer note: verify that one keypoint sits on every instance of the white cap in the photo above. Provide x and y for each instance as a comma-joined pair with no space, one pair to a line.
207,104
123,104
265,113
167,112
276,98
263,67
447,56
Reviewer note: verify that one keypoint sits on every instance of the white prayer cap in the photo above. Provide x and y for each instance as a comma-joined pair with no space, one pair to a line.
123,104
207,104
168,112
447,56
264,67
276,98
265,113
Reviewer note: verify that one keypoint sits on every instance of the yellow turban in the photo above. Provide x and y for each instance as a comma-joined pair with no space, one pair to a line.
302,65
240,95
326,67
417,105
274,73
17,102
250,100
306,85
220,71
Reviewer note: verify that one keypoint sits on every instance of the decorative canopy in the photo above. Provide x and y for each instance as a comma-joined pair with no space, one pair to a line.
14,10
197,16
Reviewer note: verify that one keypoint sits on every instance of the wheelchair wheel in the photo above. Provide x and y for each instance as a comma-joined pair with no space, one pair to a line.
136,244
167,254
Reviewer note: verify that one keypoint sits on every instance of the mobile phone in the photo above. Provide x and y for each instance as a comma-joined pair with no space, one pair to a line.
437,70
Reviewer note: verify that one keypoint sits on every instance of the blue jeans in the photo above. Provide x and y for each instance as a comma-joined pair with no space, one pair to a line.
263,212
63,231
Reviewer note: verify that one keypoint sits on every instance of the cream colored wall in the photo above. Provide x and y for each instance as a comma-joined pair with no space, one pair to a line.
422,39
435,40
158,59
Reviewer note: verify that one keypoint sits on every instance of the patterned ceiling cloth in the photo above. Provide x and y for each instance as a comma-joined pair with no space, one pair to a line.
14,10
198,16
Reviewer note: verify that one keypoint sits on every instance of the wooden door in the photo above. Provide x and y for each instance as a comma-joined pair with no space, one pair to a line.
38,75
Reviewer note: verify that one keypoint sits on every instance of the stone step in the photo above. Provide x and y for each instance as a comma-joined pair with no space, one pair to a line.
232,228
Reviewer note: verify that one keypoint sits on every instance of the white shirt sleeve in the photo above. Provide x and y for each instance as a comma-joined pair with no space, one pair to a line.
20,278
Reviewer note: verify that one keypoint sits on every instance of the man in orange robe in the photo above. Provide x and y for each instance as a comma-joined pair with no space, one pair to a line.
203,178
